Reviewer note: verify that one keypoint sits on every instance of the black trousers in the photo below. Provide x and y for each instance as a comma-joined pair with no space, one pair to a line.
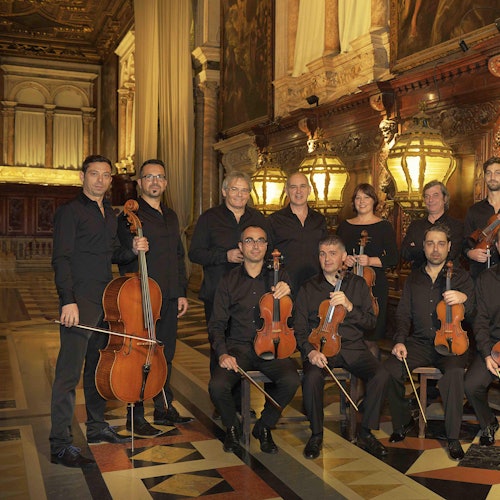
282,372
358,360
77,348
477,382
451,385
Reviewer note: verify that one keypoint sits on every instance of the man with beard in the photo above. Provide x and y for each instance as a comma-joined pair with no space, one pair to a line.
165,261
416,326
478,216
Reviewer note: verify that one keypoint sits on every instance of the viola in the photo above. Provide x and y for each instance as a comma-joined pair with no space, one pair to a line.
485,238
450,339
275,340
495,353
132,369
366,272
325,337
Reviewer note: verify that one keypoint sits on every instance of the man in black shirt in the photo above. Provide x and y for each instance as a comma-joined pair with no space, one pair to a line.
423,290
353,294
85,245
215,239
296,230
437,202
232,329
478,216
484,368
165,261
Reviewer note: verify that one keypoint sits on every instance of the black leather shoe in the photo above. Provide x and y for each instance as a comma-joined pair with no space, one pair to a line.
263,434
488,434
400,434
142,428
455,449
313,447
170,417
109,435
372,445
71,457
232,439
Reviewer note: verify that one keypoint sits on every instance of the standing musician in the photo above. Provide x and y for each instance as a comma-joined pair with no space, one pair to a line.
485,366
479,216
437,202
85,245
295,231
236,309
354,355
423,290
380,252
165,261
214,244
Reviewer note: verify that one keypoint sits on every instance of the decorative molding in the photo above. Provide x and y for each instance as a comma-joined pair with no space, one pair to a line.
336,75
239,152
41,176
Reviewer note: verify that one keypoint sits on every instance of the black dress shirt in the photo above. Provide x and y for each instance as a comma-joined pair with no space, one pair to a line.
216,232
85,245
477,218
165,257
297,243
317,289
420,297
236,307
415,234
487,319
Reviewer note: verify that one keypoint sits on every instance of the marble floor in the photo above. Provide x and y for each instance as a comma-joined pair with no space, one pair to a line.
188,461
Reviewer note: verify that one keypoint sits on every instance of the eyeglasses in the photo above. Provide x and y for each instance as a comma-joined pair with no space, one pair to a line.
158,177
235,190
260,242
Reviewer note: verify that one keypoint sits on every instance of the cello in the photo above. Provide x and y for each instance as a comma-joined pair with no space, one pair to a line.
132,370
275,340
366,272
450,339
325,337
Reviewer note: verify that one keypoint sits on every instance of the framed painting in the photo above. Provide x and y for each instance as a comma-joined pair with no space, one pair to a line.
246,96
425,30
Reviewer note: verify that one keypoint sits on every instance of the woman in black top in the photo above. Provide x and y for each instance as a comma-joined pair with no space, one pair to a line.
380,251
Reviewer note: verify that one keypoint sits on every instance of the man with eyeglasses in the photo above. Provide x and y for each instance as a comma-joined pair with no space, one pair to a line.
214,244
165,260
232,328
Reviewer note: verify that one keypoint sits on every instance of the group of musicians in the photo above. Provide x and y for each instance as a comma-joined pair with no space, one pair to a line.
232,242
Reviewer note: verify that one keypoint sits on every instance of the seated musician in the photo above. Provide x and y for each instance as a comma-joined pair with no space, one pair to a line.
354,355
423,290
236,309
484,368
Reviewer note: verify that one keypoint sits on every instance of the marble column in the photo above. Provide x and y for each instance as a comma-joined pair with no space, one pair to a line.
9,113
88,129
49,135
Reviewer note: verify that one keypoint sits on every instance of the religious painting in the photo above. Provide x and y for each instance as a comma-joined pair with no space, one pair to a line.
246,96
425,30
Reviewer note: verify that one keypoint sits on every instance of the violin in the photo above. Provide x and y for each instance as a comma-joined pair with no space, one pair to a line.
325,337
366,272
450,339
132,369
275,340
485,238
